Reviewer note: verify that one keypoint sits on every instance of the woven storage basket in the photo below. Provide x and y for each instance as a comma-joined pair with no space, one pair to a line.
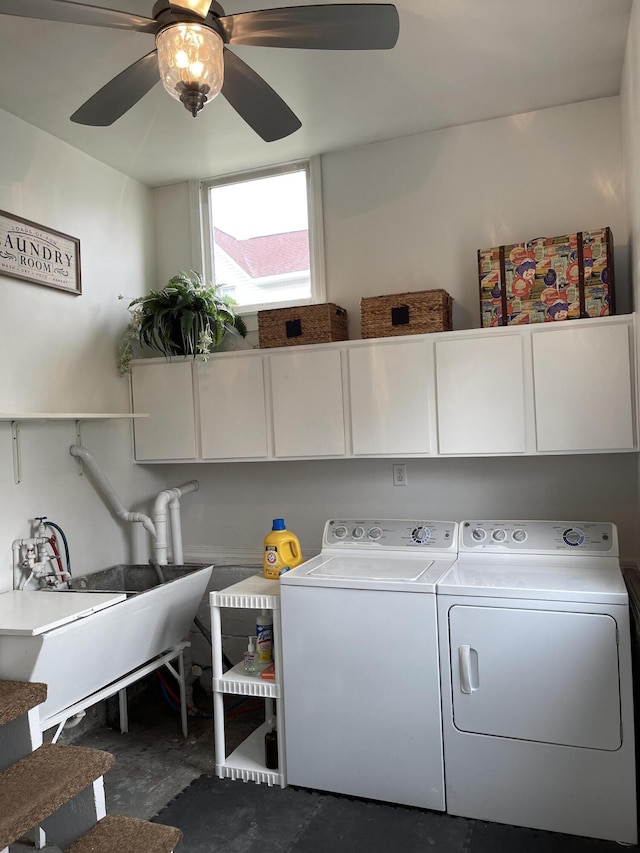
306,324
406,313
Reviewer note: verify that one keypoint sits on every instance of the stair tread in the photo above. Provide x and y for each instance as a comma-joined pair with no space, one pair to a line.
18,697
37,785
130,834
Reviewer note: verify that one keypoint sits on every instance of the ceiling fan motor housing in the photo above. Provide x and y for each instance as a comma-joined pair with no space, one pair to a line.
165,13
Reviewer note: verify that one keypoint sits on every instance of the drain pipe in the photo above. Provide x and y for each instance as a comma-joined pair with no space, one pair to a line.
108,491
170,500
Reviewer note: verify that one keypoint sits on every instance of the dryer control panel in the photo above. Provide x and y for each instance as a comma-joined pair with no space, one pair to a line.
539,537
391,533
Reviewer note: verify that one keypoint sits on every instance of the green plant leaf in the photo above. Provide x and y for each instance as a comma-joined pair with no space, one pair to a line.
186,317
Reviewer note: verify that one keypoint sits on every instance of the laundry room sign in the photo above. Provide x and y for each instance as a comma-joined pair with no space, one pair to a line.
39,254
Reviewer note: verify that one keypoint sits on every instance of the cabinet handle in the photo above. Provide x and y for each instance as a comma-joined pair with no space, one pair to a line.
468,666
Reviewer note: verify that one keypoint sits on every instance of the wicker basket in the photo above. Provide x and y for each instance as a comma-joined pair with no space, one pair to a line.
406,313
306,324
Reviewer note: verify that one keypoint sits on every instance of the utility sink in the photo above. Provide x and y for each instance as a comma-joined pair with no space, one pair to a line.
89,649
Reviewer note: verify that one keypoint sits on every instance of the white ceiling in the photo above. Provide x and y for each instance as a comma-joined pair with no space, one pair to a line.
456,61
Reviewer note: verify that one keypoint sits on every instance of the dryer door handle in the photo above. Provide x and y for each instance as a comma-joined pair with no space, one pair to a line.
468,666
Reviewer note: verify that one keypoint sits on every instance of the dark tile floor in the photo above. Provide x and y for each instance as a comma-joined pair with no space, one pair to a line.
227,817
155,764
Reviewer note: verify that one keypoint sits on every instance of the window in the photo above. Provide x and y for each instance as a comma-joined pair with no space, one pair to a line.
263,233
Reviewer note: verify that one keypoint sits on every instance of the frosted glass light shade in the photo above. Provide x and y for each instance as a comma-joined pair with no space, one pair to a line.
190,59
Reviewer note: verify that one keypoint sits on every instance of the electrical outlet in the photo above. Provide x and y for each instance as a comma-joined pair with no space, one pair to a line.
399,475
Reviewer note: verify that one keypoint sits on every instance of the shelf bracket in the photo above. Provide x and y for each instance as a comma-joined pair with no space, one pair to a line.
79,443
15,444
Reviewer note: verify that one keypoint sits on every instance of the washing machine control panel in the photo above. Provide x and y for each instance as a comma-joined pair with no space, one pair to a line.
394,533
539,536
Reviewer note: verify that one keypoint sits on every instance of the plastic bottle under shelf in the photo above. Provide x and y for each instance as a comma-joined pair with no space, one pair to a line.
264,634
251,658
281,550
271,750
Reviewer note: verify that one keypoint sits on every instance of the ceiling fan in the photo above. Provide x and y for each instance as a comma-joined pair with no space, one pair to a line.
194,64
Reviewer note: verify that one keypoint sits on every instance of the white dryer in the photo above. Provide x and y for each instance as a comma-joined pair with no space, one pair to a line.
360,661
536,679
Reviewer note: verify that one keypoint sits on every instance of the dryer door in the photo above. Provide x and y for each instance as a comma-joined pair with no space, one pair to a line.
536,675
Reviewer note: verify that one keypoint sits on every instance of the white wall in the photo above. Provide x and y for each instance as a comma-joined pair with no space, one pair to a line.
630,115
409,214
237,501
177,228
58,350
630,123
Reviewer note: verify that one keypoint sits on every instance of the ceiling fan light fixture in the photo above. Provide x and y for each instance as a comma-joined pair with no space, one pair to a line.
190,59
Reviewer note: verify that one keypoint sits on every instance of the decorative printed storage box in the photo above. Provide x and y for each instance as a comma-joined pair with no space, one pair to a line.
546,279
406,313
307,324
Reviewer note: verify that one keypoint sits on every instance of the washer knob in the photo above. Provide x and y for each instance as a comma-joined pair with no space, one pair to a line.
573,536
340,532
421,535
358,532
499,535
519,535
375,533
478,534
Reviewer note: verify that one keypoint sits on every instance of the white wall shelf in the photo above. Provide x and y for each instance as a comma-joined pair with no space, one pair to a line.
16,419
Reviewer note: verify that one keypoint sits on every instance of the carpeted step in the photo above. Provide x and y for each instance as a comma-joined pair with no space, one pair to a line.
37,785
18,697
127,835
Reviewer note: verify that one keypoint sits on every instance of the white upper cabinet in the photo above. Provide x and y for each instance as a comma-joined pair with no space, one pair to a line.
583,387
391,390
165,391
232,406
480,394
550,388
306,395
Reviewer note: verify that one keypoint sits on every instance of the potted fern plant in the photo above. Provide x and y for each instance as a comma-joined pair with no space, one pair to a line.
186,318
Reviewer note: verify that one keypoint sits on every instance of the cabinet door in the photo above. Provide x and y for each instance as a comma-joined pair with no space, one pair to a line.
480,395
583,391
232,407
308,412
390,386
165,392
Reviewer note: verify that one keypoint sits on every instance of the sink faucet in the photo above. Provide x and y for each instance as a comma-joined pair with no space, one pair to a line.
30,560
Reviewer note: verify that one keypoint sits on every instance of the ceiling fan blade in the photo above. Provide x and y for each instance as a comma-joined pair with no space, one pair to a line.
120,94
337,26
200,7
255,101
77,13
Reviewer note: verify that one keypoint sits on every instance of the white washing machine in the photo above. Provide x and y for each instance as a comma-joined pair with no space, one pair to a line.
536,679
360,661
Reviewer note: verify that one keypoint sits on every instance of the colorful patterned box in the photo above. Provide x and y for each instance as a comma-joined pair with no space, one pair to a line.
547,279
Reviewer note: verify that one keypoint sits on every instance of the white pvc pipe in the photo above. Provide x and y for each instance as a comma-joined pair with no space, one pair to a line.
108,491
169,499
176,532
